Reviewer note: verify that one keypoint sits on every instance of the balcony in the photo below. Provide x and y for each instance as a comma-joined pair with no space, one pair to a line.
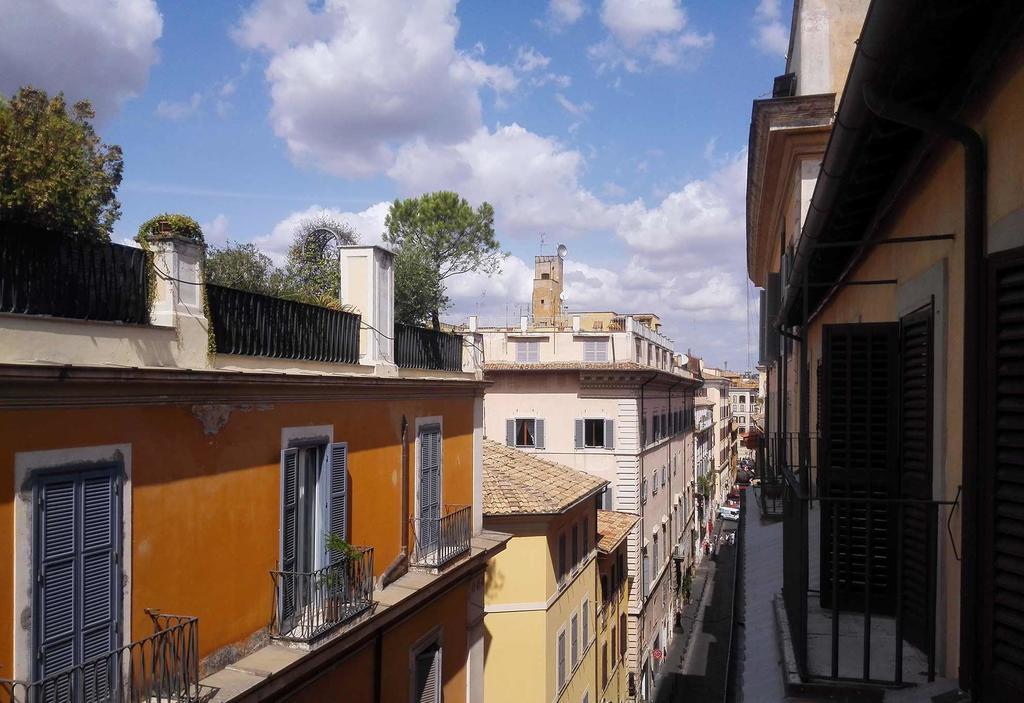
438,541
158,668
422,348
309,604
859,574
251,324
42,273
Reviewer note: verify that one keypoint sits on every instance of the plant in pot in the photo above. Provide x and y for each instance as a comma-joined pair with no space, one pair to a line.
335,578
772,489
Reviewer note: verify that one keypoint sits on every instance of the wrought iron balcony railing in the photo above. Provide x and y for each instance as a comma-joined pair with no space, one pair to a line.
422,348
308,604
161,668
439,540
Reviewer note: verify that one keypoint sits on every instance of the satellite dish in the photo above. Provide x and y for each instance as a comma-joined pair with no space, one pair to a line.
562,296
562,251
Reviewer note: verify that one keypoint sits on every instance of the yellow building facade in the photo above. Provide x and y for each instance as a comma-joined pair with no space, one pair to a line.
542,592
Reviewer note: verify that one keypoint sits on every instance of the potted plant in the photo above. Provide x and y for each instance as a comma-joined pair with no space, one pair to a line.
334,579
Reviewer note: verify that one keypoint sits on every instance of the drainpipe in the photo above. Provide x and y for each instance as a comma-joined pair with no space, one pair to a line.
974,311
400,564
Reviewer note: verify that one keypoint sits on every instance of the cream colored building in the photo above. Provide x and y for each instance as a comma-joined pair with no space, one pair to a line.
542,596
604,393
885,220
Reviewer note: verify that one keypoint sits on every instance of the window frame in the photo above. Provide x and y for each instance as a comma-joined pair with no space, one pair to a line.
591,347
531,433
533,348
598,422
433,638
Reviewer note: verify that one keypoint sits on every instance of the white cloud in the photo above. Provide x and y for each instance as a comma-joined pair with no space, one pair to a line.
179,110
215,232
353,81
771,35
532,181
644,33
368,224
562,13
578,109
529,59
89,49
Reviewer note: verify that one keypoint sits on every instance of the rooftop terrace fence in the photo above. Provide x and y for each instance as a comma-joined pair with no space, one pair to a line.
252,324
422,348
45,273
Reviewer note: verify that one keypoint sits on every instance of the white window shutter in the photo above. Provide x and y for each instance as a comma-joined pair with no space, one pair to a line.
337,521
510,432
539,431
609,434
579,433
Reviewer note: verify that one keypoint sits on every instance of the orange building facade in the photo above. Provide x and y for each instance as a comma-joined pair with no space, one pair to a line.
318,524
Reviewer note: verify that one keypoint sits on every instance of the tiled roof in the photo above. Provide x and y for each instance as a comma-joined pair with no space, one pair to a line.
612,528
703,402
518,483
580,366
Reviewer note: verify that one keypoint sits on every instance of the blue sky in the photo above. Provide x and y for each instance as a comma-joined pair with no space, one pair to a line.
615,126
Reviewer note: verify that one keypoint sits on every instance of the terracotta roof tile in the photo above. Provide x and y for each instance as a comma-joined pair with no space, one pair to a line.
612,528
582,366
519,483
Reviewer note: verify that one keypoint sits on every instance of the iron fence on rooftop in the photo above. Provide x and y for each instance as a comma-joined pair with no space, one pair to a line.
46,273
160,668
308,604
422,348
252,324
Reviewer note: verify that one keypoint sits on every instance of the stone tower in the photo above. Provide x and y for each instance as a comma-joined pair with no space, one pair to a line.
547,289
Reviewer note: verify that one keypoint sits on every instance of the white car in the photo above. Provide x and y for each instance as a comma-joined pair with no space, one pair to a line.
729,513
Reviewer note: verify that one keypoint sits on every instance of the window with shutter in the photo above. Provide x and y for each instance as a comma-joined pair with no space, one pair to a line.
585,610
77,533
561,557
574,629
560,671
429,487
578,432
1000,508
528,351
427,676
289,533
859,449
575,546
338,497
609,434
539,424
646,575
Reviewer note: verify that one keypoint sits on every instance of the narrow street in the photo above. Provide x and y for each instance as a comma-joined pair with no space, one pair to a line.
697,662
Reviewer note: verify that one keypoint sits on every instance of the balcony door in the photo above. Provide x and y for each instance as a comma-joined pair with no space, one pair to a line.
77,564
429,487
859,460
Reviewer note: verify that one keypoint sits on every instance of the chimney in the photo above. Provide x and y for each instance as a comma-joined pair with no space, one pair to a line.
368,285
547,289
178,299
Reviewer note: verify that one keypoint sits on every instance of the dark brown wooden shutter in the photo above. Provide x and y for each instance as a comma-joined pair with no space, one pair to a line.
1001,491
859,441
917,551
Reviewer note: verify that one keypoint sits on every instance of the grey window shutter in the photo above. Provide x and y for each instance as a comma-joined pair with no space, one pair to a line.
579,433
338,505
428,676
289,533
609,434
539,430
79,573
510,432
430,485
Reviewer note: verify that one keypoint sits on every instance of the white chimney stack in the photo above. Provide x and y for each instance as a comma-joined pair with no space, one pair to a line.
368,285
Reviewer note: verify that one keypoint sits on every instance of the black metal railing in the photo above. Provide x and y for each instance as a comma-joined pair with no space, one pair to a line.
861,567
252,324
161,667
775,451
43,273
308,604
439,540
422,348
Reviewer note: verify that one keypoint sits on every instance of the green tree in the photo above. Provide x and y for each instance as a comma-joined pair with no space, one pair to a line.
437,236
311,271
54,171
242,265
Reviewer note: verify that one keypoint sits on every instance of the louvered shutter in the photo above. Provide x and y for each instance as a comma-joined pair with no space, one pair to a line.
510,432
917,551
337,510
539,433
430,486
1001,476
859,446
609,434
428,676
289,533
579,433
78,574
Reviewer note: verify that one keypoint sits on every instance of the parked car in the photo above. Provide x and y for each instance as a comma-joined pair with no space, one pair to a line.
728,512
